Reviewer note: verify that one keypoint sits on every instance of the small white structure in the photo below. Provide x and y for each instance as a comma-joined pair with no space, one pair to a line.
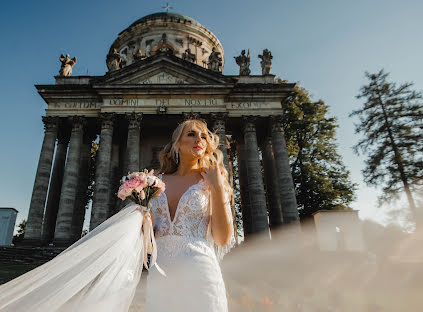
339,230
7,225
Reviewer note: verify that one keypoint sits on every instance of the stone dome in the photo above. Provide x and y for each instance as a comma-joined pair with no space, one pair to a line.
173,33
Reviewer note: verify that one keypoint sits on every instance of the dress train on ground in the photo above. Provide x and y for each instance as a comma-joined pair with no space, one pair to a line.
99,272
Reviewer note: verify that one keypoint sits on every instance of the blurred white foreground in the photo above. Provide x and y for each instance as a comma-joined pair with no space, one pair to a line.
294,272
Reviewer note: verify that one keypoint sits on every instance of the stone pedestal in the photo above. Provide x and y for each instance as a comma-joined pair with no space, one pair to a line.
42,177
339,230
63,231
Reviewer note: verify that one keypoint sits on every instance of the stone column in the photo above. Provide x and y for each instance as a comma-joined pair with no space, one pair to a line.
63,231
283,170
259,222
219,127
82,196
272,186
133,143
115,175
219,121
101,197
50,214
42,178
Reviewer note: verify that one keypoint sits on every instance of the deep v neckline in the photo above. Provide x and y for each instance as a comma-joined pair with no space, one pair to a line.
179,201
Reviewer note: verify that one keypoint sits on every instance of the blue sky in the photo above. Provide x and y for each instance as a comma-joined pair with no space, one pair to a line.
326,46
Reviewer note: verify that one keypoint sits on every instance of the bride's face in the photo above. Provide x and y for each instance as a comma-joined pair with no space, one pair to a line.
192,143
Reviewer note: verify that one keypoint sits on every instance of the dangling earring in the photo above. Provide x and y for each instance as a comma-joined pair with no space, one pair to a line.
177,158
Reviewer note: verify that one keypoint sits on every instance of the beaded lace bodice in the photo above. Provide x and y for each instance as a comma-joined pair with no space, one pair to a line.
191,222
192,214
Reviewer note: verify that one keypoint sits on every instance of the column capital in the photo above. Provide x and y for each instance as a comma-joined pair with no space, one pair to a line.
51,123
134,120
107,120
249,123
191,115
219,121
276,123
219,116
79,123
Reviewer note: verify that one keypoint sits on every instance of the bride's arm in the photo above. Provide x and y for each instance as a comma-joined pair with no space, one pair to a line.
221,223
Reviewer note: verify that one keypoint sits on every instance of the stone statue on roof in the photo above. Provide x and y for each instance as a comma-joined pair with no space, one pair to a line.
138,55
67,64
187,55
114,60
243,62
266,62
215,60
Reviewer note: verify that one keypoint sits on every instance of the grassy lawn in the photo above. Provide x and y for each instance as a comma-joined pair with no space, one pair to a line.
10,271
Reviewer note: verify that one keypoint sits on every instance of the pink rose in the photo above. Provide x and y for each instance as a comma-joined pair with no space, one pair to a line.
124,192
160,188
135,183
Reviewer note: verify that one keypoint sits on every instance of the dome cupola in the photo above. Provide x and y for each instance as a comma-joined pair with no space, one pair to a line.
166,32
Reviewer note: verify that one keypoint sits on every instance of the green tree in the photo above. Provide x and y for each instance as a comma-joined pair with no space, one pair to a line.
21,227
391,121
321,180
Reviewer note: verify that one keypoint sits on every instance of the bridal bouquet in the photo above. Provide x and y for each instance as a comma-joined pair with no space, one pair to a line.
141,187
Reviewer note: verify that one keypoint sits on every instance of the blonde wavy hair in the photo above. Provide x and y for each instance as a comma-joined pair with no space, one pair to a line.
212,154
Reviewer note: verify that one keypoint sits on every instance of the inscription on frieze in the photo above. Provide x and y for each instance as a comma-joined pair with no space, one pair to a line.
253,105
129,101
75,105
202,102
198,102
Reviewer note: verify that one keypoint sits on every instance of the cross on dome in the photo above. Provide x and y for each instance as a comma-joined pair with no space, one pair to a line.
167,7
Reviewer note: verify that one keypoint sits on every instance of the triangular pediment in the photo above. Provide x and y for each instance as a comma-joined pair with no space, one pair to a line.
164,69
161,78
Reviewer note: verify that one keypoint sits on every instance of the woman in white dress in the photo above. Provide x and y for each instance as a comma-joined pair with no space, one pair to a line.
186,228
193,230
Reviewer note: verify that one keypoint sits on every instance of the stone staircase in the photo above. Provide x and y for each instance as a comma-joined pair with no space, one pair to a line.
28,255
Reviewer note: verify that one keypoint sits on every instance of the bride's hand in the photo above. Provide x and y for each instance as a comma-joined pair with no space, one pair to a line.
214,177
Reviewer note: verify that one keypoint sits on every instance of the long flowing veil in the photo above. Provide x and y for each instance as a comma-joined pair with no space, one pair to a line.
99,272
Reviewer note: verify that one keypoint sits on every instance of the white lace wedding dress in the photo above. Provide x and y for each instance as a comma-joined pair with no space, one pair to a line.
186,253
100,272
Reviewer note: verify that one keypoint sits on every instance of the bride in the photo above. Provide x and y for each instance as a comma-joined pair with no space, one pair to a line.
193,230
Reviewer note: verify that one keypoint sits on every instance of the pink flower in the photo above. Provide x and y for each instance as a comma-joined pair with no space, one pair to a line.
121,196
160,188
135,183
124,192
